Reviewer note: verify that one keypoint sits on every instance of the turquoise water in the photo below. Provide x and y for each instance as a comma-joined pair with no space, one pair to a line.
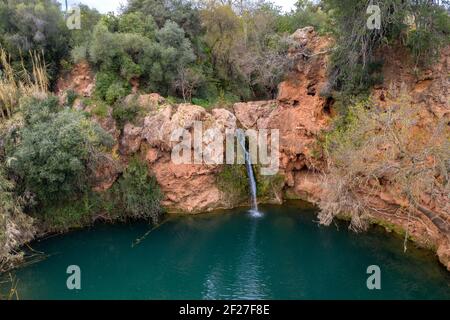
232,255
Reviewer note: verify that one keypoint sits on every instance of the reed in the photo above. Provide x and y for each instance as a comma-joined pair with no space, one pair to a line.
16,84
9,284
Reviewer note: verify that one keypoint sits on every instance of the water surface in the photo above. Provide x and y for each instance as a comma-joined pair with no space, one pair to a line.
232,255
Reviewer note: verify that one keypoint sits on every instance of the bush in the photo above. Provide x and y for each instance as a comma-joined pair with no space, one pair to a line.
37,111
205,103
103,81
66,215
125,112
141,195
34,26
153,56
269,187
431,33
71,97
55,149
79,53
307,13
116,91
99,108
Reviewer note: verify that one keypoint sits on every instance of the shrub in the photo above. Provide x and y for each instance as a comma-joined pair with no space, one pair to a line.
351,69
71,97
140,192
37,111
55,149
103,81
307,13
100,108
125,112
66,215
34,26
116,91
110,87
79,53
205,103
430,34
269,187
159,53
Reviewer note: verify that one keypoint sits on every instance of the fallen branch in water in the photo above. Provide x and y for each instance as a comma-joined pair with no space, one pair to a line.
139,240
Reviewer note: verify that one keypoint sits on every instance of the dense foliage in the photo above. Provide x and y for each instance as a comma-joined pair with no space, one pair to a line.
54,150
140,193
34,25
423,25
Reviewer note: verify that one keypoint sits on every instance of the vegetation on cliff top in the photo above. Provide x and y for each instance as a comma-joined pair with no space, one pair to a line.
422,26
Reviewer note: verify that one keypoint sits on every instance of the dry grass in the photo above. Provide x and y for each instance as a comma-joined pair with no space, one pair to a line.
16,84
10,287
397,150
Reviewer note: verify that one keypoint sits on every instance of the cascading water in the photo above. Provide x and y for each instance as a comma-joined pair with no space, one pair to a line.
251,176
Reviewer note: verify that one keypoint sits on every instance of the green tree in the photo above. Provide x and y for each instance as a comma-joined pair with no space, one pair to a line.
36,25
79,39
181,12
137,22
354,63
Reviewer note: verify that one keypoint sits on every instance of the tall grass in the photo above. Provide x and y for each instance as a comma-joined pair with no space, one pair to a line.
15,84
8,289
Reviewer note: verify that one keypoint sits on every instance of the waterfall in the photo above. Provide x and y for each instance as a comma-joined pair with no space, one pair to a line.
251,175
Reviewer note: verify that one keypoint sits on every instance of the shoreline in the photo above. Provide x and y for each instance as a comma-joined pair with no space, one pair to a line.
379,225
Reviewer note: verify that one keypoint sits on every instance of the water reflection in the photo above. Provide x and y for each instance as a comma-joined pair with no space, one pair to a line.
283,255
250,271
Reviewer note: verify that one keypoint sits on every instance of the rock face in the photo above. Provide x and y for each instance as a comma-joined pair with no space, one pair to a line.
131,139
301,111
80,79
147,102
187,187
105,173
430,90
253,115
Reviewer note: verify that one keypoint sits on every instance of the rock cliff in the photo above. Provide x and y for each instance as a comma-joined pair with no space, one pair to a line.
302,111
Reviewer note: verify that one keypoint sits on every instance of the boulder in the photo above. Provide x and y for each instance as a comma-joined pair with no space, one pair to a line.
105,173
250,114
131,139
